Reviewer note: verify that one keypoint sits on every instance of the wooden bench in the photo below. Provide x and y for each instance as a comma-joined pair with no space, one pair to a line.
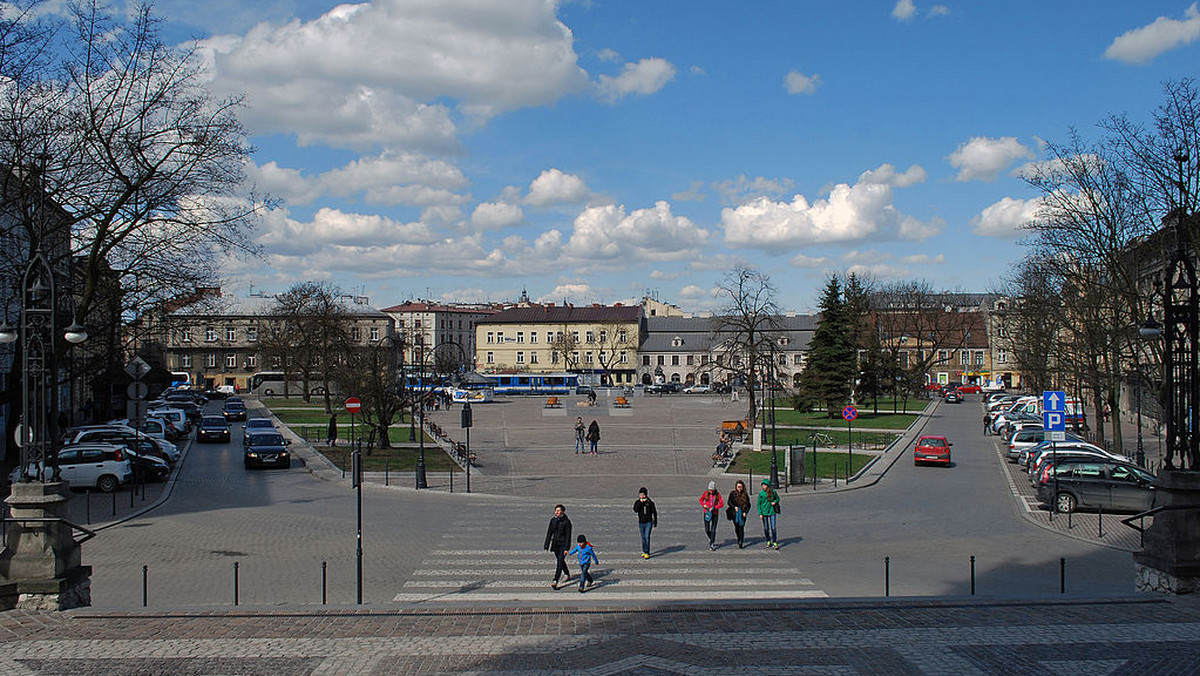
735,428
553,402
621,402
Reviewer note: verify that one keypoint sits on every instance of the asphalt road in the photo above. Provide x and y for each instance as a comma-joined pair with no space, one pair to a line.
279,526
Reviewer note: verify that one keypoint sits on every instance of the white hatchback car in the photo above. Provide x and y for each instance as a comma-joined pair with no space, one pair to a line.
102,466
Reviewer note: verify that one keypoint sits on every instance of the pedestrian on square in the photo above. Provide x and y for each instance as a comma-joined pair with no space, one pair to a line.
711,504
647,515
558,536
768,509
579,436
331,431
739,508
593,437
987,420
587,556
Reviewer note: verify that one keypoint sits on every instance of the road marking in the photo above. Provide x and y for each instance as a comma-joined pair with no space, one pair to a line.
1012,485
607,595
542,570
622,582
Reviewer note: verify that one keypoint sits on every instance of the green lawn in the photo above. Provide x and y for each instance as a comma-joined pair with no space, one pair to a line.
392,459
802,436
887,421
750,462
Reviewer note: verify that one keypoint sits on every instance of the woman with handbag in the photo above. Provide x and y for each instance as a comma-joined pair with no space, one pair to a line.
738,510
711,504
768,508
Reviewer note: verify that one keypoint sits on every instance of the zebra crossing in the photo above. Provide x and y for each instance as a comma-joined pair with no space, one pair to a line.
497,557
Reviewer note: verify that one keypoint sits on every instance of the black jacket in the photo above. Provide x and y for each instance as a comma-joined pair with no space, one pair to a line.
646,511
558,533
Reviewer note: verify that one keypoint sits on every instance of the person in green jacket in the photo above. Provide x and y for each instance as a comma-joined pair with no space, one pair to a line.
768,509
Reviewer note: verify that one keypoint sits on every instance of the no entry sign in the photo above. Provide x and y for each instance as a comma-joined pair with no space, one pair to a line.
849,413
353,405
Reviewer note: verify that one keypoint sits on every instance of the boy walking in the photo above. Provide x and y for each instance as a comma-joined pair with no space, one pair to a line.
587,556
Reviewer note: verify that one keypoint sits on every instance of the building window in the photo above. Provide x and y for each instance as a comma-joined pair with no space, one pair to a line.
252,361
374,333
500,337
784,341
691,361
401,324
417,323
210,335
532,355
231,360
704,360
603,335
622,357
251,334
520,336
943,356
575,357
356,334
964,357
549,336
186,362
210,360
622,336
797,360
662,360
645,360
674,360
533,336
676,342
554,357
185,335
491,358
230,334
979,357
587,357
591,336
491,337
520,357
1001,356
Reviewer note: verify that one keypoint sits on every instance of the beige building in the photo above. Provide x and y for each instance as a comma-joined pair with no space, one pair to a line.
430,333
600,342
215,340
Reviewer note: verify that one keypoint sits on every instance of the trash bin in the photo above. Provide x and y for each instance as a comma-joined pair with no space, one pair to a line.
796,466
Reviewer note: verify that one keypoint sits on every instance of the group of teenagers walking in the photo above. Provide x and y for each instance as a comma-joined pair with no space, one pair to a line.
737,509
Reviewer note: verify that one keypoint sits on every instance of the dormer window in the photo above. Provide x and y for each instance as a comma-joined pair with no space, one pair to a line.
677,342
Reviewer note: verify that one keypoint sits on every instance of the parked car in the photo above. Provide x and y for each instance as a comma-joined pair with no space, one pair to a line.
1088,484
585,390
1060,451
1027,438
174,416
234,409
970,388
697,389
953,397
932,449
101,466
216,395
213,428
154,427
264,449
136,441
148,467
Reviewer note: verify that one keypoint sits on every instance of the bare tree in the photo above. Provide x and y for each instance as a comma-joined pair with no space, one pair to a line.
920,329
372,374
317,327
566,346
745,328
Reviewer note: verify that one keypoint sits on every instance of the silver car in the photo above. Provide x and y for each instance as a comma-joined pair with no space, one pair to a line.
102,466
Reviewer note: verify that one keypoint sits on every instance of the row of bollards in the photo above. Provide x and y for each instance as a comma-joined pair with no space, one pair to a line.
887,575
237,584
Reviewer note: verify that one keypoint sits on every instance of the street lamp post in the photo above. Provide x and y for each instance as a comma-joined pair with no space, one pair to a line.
419,403
771,415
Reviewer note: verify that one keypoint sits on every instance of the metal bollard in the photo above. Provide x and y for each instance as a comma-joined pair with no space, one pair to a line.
145,584
114,500
1062,575
972,575
887,576
235,582
451,473
88,511
1101,534
387,466
324,582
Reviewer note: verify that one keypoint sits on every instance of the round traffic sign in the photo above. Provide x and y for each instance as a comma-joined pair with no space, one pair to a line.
849,413
353,405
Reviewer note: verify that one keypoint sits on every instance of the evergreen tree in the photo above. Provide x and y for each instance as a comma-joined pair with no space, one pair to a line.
828,376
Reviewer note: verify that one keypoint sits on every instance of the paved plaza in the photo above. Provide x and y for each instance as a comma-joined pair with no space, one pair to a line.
459,583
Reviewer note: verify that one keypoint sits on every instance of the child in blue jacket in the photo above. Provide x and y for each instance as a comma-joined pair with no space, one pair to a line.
587,556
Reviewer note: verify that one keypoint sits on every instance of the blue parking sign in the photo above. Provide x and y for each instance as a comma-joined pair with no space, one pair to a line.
1054,411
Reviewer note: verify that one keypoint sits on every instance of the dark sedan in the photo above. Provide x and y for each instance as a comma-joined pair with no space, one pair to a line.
234,409
267,449
213,428
1096,484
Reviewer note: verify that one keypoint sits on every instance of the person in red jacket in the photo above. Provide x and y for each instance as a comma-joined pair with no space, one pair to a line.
711,504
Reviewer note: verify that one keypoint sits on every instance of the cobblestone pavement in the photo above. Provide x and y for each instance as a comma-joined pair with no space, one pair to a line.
1126,636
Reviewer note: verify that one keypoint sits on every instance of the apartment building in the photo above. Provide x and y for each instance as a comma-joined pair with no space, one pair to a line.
442,336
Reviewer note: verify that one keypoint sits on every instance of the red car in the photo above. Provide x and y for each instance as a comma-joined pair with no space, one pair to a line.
970,389
932,449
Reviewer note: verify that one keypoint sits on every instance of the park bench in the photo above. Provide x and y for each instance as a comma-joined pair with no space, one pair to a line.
553,402
621,402
735,429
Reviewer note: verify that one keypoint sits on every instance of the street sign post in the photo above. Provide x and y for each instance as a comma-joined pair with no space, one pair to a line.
1054,414
849,413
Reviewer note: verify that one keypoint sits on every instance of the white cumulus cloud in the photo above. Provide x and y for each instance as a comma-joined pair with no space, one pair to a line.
904,10
644,77
796,82
983,159
394,72
607,233
556,187
1006,217
886,174
849,214
1141,45
496,216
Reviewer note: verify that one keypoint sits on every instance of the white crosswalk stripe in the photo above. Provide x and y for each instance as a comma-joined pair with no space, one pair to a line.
681,567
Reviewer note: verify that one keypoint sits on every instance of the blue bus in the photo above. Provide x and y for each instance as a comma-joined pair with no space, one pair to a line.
534,383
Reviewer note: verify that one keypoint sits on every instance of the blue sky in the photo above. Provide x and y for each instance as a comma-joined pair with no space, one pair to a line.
591,151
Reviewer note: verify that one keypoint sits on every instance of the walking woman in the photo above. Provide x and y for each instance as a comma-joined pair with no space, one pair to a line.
739,509
593,437
558,538
768,509
647,519
711,504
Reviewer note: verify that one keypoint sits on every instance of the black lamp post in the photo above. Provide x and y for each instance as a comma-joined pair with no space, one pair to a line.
39,367
771,415
419,404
